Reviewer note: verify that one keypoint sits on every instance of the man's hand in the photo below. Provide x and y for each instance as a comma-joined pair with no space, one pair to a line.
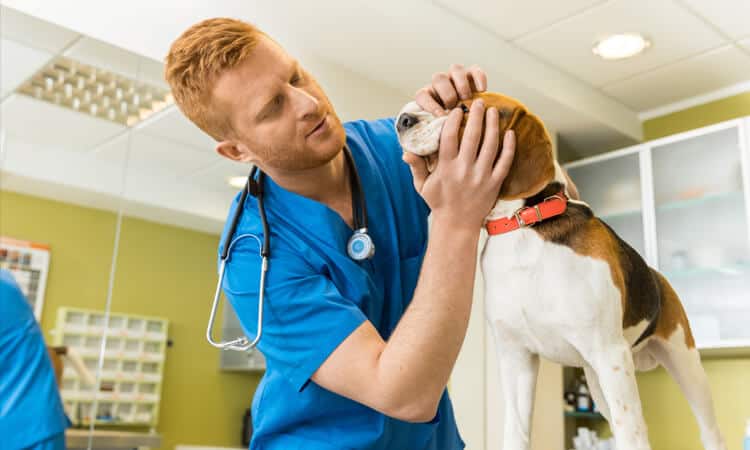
464,186
447,88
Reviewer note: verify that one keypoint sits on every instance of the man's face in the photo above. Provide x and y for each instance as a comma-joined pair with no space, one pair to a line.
279,116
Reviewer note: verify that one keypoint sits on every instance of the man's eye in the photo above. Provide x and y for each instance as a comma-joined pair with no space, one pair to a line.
464,108
295,79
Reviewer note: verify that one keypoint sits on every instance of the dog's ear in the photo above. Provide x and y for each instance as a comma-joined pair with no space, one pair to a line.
533,163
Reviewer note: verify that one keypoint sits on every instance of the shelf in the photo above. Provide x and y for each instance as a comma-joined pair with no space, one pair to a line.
724,349
690,202
675,204
728,270
133,364
624,214
584,415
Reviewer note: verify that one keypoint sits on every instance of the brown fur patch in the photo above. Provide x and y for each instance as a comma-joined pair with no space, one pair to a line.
533,163
672,313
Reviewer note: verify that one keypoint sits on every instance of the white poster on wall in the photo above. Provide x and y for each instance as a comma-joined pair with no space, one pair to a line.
29,263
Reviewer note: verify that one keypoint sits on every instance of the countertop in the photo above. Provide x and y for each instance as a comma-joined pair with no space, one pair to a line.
106,439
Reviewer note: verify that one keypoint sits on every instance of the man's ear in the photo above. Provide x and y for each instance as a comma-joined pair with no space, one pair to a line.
234,151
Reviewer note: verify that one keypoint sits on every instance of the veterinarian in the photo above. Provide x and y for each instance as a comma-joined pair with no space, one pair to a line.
31,412
359,345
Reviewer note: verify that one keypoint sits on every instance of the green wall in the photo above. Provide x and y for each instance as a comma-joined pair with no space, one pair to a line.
161,271
698,116
670,421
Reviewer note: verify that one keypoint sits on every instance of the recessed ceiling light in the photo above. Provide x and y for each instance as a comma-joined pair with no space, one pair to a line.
237,182
620,46
94,91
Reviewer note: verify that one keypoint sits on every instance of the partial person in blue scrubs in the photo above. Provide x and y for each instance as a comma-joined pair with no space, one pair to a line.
31,412
358,353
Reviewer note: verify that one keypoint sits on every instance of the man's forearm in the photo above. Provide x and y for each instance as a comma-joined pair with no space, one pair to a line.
419,356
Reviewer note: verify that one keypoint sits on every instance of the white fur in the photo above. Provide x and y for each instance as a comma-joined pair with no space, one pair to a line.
684,364
424,137
543,299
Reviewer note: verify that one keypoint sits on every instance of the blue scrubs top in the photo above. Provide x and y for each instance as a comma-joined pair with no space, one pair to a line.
315,296
31,412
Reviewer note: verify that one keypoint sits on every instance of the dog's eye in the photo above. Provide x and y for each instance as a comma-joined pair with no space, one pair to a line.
464,108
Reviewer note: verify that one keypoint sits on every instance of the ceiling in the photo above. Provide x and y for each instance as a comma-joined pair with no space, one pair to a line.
370,57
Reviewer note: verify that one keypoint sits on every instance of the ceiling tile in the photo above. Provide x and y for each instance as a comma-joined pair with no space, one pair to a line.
152,72
51,126
731,16
216,176
34,32
510,19
115,59
114,151
688,78
105,56
173,125
154,155
18,62
568,43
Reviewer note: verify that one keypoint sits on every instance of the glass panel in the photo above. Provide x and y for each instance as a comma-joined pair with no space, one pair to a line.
62,104
613,190
701,231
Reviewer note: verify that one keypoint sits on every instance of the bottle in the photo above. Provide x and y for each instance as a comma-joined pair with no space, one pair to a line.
584,398
571,396
747,435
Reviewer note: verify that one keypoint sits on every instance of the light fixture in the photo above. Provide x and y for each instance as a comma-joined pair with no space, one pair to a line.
621,46
94,91
237,182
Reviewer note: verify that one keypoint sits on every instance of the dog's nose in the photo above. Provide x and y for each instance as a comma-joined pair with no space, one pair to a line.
406,121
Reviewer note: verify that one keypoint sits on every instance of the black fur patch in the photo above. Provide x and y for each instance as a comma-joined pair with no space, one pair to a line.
643,291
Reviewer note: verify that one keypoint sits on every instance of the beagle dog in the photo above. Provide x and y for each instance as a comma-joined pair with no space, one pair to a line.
561,284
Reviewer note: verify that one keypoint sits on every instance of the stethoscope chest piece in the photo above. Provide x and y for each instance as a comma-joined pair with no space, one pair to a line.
360,245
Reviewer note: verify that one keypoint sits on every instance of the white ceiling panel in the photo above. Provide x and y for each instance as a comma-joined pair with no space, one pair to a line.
173,125
510,19
153,155
33,32
695,76
17,63
105,56
215,177
50,126
675,34
115,59
152,72
731,16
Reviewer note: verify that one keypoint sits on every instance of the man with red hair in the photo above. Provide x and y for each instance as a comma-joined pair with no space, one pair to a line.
378,338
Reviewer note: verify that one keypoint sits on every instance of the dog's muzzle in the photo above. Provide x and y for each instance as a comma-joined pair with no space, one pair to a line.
406,121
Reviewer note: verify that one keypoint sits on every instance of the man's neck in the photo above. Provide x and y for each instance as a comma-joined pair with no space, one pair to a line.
327,184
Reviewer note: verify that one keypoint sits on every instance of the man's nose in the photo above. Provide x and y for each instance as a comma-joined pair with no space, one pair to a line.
307,104
406,121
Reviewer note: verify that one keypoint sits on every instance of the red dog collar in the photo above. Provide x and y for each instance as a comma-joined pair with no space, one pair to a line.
527,216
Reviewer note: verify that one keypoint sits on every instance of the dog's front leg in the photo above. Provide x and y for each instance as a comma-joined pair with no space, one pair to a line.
518,371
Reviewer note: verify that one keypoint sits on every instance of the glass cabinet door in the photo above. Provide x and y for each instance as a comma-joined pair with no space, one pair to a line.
702,233
612,187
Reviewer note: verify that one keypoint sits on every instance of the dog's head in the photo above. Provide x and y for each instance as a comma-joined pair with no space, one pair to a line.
533,164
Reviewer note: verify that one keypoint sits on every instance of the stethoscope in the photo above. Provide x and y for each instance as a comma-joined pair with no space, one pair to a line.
359,247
